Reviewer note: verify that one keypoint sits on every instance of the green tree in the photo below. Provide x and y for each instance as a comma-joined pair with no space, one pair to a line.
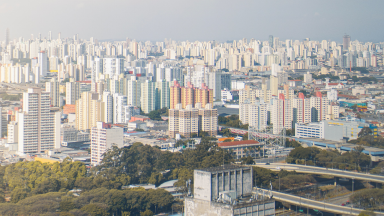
245,136
247,160
95,210
66,205
290,132
154,115
365,132
367,213
156,178
146,213
18,194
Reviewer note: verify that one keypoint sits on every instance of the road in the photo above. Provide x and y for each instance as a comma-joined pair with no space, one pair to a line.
324,171
312,204
338,200
269,160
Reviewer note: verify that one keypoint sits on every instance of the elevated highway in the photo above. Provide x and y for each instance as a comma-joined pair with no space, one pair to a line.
311,204
323,171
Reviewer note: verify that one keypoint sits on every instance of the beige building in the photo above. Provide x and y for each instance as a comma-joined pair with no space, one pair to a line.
89,111
207,119
192,120
54,93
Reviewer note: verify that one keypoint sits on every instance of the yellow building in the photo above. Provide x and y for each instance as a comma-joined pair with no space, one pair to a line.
89,111
46,160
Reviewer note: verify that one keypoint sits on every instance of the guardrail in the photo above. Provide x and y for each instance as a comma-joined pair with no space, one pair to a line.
313,204
325,171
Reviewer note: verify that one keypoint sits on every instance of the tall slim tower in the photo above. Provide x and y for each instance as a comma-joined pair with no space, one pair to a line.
346,40
270,40
38,126
49,35
7,36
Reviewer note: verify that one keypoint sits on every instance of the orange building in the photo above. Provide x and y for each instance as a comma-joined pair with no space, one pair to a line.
190,95
204,96
139,118
69,108
175,94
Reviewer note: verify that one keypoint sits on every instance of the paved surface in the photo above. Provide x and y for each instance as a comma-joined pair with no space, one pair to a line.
338,200
269,160
324,171
312,204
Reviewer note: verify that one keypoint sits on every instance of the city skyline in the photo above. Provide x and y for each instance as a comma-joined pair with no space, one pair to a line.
153,20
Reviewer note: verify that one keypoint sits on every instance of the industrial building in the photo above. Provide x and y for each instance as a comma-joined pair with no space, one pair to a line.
226,190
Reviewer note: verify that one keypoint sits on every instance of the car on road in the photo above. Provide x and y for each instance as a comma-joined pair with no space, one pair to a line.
342,204
347,202
267,164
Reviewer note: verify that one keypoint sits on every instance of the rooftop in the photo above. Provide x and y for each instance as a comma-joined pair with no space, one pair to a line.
236,143
222,168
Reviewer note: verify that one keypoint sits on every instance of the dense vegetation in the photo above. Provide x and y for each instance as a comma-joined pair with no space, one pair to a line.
323,76
353,160
362,70
368,199
288,180
45,188
156,114
232,121
366,138
100,201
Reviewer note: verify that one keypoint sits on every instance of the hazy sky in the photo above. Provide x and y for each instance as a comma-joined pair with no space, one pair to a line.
219,20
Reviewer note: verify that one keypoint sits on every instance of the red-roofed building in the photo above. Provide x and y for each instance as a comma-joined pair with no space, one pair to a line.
139,118
242,148
334,86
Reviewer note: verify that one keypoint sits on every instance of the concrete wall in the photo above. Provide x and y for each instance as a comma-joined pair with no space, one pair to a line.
202,185
196,207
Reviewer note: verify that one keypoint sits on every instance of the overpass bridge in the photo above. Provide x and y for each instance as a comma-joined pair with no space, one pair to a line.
323,171
311,204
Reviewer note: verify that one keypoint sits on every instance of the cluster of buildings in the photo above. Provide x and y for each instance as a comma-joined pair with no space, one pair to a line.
92,94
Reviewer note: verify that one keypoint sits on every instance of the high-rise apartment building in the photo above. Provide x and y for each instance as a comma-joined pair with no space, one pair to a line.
43,63
148,96
319,107
188,95
38,126
207,119
134,92
183,121
72,93
204,95
108,107
163,91
103,137
281,114
254,115
346,41
89,111
119,104
54,93
192,120
13,132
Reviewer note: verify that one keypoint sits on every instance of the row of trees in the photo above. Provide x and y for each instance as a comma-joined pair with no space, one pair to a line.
352,160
